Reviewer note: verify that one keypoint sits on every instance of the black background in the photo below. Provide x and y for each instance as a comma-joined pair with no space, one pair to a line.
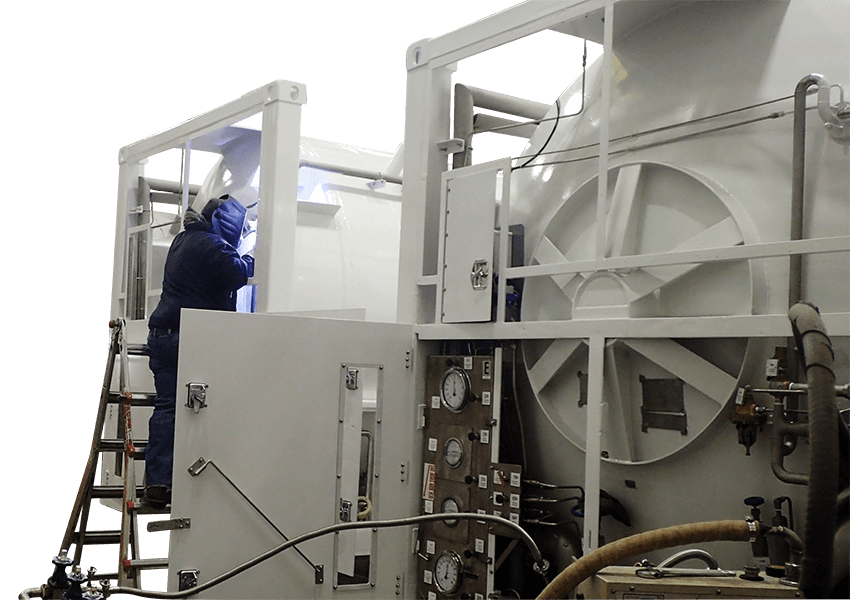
107,86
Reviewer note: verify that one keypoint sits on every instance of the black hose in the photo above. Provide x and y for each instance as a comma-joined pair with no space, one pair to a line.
815,349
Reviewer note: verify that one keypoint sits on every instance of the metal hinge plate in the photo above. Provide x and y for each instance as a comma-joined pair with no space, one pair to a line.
170,524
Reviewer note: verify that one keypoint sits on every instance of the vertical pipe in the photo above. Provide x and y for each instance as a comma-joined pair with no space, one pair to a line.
463,125
607,78
184,191
593,447
798,185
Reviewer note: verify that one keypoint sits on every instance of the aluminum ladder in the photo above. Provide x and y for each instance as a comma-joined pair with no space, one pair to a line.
130,564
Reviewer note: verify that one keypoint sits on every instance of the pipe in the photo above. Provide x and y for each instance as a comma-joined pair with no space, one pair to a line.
31,593
468,97
688,554
815,349
484,123
668,537
350,171
522,534
798,187
162,185
779,448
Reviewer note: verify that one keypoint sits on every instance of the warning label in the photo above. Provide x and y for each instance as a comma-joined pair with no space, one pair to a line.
428,481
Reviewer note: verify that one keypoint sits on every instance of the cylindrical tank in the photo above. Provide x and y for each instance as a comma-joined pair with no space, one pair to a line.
715,182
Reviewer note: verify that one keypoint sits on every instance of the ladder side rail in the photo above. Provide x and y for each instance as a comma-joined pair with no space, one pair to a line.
83,499
129,548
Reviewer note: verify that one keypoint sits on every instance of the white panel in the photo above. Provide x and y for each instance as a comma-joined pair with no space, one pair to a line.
272,425
469,235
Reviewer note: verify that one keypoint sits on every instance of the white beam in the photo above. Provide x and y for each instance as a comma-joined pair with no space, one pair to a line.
250,103
746,251
736,326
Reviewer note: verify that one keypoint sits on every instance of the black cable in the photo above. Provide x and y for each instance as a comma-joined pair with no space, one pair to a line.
548,139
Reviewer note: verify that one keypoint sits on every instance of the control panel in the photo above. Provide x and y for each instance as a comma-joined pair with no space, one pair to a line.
461,473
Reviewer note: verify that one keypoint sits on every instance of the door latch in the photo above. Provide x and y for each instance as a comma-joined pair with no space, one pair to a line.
197,396
345,510
351,379
480,275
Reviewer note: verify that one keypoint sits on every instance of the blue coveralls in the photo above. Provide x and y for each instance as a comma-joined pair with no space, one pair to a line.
202,270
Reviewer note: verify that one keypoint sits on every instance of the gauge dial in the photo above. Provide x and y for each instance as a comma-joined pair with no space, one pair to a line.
448,572
450,505
455,389
453,452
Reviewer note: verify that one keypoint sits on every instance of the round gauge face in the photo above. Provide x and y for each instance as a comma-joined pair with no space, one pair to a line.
453,452
448,572
455,389
450,505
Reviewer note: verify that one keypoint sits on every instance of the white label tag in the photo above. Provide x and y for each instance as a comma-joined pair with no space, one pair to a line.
467,363
435,402
515,480
485,398
515,501
479,545
485,436
515,518
482,482
429,507
432,596
430,547
432,444
428,578
485,370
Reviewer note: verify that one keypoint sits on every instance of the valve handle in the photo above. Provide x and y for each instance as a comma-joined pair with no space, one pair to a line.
754,501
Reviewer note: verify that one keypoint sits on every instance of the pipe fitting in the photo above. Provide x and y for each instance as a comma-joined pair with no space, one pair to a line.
836,118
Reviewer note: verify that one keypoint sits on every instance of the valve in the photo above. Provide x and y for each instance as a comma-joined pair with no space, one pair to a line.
780,551
75,590
749,418
761,556
59,579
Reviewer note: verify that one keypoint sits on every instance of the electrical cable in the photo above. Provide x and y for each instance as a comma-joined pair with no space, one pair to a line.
639,134
403,522
548,139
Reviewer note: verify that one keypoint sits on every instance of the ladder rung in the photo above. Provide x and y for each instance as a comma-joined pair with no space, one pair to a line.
117,445
149,563
139,398
113,491
102,537
137,349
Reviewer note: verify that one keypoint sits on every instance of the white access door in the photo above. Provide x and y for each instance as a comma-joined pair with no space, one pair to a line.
303,417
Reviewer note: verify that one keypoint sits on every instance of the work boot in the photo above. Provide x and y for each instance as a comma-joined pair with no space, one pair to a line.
157,496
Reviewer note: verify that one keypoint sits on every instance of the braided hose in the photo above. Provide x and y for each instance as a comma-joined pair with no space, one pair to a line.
667,537
816,351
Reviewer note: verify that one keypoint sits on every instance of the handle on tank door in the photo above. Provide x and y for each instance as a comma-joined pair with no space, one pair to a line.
480,274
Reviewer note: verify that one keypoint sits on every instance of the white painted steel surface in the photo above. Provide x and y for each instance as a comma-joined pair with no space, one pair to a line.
271,425
671,62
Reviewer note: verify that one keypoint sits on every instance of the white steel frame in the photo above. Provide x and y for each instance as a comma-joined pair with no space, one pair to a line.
280,104
430,64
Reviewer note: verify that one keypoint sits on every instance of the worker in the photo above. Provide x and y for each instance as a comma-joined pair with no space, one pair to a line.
202,270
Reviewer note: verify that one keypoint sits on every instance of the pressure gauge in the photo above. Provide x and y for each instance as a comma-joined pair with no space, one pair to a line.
450,505
454,389
453,452
448,572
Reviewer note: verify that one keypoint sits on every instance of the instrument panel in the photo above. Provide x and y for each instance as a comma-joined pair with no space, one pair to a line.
461,473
